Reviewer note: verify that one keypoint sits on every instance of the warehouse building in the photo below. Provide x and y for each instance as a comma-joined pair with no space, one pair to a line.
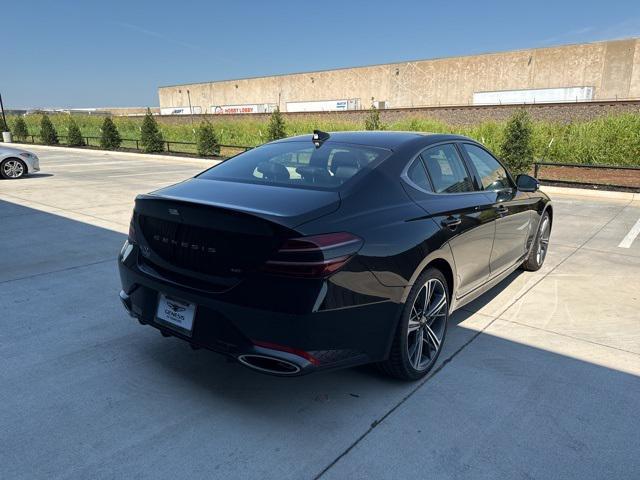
572,73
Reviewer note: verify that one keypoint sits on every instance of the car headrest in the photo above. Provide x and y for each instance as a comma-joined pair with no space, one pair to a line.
312,174
273,171
345,172
344,159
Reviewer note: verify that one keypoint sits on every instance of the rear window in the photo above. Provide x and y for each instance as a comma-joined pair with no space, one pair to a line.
299,164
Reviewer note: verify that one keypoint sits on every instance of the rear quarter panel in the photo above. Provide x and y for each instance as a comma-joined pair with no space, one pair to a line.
398,235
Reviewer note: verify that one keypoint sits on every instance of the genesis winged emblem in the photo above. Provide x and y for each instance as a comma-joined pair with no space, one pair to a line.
175,307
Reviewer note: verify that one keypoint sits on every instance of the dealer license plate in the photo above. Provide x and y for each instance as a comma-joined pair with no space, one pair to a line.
177,314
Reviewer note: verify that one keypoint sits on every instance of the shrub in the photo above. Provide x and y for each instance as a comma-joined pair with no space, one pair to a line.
517,146
109,138
206,140
150,134
74,137
20,130
372,122
48,133
3,125
276,128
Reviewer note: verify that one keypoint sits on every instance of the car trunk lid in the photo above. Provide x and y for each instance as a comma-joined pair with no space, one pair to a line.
286,206
210,234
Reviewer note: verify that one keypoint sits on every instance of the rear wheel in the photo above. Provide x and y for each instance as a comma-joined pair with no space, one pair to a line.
13,168
422,328
540,245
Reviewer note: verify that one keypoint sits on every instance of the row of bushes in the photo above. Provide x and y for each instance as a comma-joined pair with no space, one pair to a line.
613,139
151,138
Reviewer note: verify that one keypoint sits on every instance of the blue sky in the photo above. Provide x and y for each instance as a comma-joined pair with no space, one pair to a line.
116,53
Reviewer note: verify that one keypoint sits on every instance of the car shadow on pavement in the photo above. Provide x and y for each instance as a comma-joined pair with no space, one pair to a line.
31,176
37,175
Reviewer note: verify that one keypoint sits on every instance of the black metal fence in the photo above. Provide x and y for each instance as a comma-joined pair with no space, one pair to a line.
189,148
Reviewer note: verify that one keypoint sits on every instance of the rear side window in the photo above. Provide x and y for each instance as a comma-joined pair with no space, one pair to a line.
446,169
418,175
299,164
492,174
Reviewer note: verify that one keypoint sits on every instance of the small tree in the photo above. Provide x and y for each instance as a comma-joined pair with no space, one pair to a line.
276,128
110,137
48,133
517,147
150,135
206,140
372,122
74,137
20,129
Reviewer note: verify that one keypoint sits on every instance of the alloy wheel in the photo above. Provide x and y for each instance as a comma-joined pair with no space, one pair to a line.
13,168
543,240
427,323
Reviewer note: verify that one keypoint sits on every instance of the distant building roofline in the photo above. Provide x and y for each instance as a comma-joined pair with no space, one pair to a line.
310,72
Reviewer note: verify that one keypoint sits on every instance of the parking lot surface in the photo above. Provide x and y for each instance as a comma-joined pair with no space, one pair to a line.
539,378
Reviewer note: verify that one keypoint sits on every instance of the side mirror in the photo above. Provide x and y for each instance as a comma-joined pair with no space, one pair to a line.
527,183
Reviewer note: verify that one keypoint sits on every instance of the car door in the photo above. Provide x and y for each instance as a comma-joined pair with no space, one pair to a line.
513,220
444,188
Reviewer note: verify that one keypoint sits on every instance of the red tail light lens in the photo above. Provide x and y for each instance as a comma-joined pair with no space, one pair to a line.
306,269
283,348
315,256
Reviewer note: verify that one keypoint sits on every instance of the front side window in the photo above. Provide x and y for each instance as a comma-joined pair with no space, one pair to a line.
446,169
299,164
492,174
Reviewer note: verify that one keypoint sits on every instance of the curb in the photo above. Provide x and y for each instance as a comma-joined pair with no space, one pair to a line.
585,192
150,156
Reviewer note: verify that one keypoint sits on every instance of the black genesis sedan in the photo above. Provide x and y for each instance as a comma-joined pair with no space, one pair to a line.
331,250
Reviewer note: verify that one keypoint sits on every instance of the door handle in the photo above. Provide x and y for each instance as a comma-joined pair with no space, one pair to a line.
501,210
451,222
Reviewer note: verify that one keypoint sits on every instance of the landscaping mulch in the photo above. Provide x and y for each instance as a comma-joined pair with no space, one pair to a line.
596,178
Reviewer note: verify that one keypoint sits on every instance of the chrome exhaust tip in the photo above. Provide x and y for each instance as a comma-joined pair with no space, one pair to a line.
266,364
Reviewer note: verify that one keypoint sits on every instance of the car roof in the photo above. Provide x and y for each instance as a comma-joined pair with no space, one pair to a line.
383,139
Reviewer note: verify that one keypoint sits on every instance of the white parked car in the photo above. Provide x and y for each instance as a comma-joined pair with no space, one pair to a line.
16,163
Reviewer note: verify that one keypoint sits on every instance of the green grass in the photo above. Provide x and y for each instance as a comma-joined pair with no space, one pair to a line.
613,140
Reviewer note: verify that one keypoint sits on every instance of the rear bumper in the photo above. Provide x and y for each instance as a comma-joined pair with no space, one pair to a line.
311,340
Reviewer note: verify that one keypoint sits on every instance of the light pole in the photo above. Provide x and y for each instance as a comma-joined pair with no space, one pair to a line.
4,119
190,109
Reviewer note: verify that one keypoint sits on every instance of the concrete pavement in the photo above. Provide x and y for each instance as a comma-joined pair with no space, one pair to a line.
539,377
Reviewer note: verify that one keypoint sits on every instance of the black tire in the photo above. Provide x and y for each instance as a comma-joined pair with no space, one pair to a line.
399,364
5,162
540,245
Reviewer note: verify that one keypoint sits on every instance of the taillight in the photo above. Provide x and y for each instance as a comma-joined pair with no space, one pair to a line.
315,256
131,238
